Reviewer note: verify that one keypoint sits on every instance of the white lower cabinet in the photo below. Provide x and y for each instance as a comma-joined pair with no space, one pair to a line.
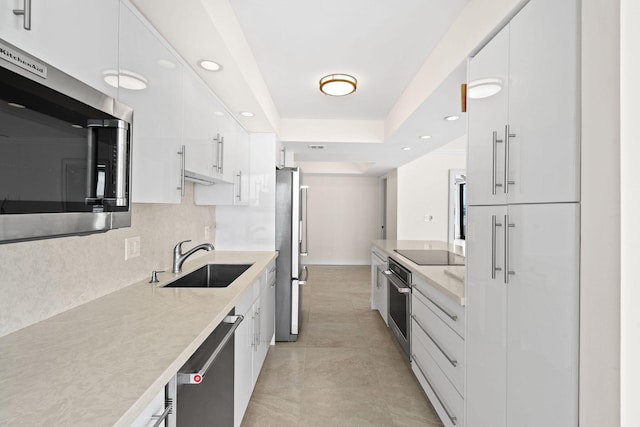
158,409
438,349
522,315
252,338
379,298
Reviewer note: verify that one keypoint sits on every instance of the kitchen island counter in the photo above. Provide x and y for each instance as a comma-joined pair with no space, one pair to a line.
449,279
101,363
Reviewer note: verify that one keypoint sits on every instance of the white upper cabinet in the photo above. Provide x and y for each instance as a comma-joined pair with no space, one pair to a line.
486,120
157,122
199,132
79,37
233,186
526,137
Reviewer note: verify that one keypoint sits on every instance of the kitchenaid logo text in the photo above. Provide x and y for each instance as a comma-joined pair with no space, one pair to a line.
23,62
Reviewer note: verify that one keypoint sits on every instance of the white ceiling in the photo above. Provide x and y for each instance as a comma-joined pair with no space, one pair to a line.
274,53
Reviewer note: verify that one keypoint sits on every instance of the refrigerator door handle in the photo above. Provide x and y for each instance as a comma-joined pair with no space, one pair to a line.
304,220
295,298
304,276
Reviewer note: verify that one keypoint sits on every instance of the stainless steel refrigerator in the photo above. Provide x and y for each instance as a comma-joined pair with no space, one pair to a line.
291,243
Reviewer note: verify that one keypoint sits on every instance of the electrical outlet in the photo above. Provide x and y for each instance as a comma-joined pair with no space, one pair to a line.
131,247
207,232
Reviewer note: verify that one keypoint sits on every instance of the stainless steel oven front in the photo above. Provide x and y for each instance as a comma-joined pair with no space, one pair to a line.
400,304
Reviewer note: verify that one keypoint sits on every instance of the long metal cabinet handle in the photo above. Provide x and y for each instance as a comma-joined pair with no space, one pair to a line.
239,196
451,360
494,171
494,225
221,154
380,257
182,153
453,317
507,136
184,378
216,141
26,13
453,419
167,410
507,271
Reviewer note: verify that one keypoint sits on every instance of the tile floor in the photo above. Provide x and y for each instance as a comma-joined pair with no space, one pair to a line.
344,370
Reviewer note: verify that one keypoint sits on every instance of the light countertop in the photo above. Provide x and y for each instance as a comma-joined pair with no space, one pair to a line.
101,363
449,279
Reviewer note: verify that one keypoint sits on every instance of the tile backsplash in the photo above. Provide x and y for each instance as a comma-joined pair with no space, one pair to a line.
40,279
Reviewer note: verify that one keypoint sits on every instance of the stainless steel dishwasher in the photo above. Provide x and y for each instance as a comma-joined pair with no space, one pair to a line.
205,381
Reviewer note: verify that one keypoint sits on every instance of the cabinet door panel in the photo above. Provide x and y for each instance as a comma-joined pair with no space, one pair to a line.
199,118
543,296
80,37
488,116
486,308
544,103
157,124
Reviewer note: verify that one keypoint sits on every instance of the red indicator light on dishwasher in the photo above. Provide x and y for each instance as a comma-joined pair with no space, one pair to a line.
197,378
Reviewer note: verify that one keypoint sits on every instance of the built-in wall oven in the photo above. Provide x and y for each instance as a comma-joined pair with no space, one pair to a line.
399,279
65,147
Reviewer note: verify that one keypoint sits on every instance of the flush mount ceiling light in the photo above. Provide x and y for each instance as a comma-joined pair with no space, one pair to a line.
425,136
125,79
483,88
338,84
15,105
451,118
246,114
209,65
406,148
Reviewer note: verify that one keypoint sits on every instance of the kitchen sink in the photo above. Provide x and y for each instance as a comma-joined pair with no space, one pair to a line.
210,276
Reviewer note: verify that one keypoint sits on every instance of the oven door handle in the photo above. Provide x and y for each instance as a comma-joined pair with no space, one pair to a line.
398,284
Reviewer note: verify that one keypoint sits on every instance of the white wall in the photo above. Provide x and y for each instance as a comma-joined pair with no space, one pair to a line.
600,216
343,218
42,278
630,208
423,191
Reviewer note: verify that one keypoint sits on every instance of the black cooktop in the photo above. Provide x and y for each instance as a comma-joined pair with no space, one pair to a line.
431,256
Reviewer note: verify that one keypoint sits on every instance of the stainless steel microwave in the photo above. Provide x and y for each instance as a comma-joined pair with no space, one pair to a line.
65,153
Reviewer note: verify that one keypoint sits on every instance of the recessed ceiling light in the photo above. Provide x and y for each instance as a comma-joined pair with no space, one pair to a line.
125,79
246,114
452,118
338,84
15,105
425,136
218,113
483,88
209,65
406,148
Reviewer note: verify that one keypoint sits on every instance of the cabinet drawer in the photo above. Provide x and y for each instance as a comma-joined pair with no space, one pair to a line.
444,307
443,396
443,344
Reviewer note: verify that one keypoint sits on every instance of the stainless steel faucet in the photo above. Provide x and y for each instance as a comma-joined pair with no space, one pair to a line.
179,257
